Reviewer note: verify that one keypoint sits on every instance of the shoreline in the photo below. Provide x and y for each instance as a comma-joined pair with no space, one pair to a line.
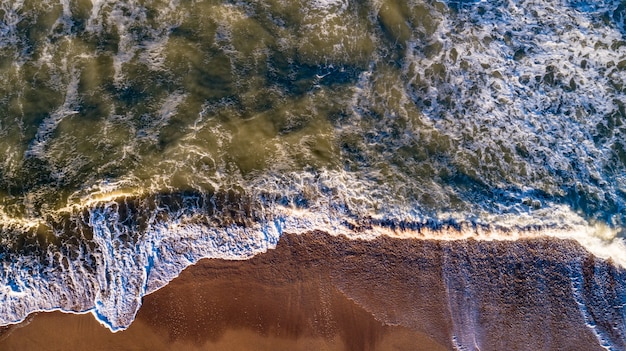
343,294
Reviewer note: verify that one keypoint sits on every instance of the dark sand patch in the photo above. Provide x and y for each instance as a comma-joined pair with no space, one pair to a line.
317,292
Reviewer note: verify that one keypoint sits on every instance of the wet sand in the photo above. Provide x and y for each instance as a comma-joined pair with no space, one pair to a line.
317,292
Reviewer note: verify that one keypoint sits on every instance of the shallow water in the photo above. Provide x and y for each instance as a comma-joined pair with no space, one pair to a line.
140,136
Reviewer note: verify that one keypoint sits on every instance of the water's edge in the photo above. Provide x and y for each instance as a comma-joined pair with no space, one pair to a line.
465,294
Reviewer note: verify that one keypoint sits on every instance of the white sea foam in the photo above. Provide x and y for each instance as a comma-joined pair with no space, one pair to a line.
8,29
47,127
330,4
497,85
129,264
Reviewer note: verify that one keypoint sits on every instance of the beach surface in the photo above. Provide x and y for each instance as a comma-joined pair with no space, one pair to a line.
320,292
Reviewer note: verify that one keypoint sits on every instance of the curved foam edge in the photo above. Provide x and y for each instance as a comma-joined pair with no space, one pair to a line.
126,272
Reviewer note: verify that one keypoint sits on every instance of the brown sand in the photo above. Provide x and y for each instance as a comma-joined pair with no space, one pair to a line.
317,292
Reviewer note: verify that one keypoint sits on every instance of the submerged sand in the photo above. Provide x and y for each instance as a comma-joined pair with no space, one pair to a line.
319,292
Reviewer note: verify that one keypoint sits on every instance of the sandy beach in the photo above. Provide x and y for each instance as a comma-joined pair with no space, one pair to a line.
318,292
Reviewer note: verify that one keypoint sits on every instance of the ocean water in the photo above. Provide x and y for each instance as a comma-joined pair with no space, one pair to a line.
139,136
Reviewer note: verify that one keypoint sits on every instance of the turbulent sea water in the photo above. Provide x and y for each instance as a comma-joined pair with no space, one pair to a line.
139,136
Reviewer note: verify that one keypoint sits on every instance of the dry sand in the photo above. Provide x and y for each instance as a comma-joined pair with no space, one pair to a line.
317,292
